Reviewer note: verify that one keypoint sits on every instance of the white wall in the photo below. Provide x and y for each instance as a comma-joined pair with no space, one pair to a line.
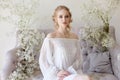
47,8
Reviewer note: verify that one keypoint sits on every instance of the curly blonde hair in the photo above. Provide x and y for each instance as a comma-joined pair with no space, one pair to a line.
61,7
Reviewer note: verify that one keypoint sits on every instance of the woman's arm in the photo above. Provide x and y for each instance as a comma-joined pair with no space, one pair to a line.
49,70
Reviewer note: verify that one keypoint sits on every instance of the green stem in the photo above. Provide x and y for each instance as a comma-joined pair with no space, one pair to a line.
106,27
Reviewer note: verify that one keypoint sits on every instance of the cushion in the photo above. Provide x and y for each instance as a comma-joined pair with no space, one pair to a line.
94,60
100,62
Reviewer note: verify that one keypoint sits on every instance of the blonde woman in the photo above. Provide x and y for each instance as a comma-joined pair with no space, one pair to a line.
60,57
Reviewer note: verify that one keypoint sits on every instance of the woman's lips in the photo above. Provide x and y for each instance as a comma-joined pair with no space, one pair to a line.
64,23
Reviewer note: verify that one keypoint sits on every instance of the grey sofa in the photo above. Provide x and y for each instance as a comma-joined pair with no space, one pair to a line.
101,66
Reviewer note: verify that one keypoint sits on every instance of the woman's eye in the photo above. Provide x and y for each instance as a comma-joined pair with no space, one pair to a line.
60,16
63,16
66,16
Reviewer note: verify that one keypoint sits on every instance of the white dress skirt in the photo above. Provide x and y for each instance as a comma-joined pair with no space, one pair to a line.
60,54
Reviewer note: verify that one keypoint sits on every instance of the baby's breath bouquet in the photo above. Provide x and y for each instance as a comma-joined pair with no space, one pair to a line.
20,13
96,14
29,42
98,36
24,14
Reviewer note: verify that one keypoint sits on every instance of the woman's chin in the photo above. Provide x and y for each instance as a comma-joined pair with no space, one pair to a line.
65,25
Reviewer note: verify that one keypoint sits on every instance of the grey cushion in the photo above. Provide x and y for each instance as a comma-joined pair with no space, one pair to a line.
97,63
94,60
100,62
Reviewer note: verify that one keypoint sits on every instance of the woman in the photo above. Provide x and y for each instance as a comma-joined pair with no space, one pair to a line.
60,53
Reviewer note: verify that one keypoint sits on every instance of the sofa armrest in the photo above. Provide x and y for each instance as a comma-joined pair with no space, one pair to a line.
9,63
115,60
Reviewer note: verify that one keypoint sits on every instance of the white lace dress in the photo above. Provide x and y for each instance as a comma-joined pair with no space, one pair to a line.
60,54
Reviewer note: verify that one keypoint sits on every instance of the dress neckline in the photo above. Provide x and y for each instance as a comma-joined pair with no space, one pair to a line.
62,38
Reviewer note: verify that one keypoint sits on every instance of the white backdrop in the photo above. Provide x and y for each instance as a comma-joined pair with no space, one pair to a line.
46,9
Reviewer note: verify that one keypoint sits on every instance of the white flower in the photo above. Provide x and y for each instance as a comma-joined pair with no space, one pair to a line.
30,41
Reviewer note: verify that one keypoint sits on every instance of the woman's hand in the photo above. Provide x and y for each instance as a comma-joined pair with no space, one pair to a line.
90,77
62,74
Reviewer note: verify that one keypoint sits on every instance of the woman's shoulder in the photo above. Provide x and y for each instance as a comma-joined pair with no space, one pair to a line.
51,35
55,34
73,35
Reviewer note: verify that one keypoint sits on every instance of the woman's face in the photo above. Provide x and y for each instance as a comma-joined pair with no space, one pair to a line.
63,18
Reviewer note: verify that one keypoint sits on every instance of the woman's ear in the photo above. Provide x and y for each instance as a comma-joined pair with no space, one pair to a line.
55,20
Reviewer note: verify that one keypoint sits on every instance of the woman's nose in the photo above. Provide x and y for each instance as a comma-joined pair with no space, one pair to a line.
64,19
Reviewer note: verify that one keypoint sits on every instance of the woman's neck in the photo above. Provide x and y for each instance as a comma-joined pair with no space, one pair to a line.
64,31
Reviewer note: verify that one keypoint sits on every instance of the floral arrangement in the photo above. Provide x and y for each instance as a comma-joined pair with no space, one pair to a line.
94,14
24,14
98,36
20,13
29,42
